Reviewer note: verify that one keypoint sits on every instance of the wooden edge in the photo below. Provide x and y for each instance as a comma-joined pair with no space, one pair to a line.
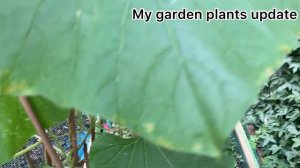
246,147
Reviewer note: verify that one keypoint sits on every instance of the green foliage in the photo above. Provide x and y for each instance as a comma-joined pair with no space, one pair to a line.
165,81
15,127
111,151
277,115
47,112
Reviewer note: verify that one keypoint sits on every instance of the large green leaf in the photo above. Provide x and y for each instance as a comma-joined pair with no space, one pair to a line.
110,151
180,84
15,126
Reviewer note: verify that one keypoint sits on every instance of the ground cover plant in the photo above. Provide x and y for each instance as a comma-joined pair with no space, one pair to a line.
276,116
157,78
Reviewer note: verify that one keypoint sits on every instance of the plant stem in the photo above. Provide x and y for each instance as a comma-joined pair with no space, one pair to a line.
73,137
47,158
92,127
41,132
86,155
27,149
29,160
80,124
58,147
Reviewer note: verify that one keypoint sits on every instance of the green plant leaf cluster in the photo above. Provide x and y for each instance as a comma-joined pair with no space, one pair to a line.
276,115
165,81
15,126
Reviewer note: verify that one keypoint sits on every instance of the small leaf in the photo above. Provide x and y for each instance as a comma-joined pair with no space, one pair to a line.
296,142
292,129
295,67
291,155
274,149
267,138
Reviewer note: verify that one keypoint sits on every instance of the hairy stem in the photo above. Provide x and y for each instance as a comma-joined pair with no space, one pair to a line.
27,149
41,132
29,160
73,137
47,158
92,127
